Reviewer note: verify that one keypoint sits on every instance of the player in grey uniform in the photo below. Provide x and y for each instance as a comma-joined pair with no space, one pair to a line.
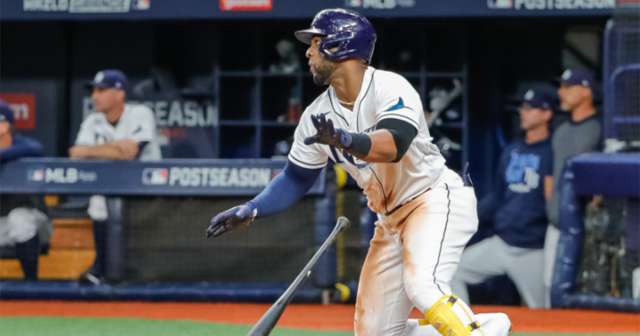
371,122
116,131
580,134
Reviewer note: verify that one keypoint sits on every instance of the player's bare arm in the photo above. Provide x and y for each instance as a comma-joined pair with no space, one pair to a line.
548,187
125,149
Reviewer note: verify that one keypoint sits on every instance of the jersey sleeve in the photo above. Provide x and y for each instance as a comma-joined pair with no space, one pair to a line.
86,134
145,127
306,156
397,99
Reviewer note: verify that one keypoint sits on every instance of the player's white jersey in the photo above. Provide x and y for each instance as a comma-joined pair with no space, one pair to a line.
136,123
383,95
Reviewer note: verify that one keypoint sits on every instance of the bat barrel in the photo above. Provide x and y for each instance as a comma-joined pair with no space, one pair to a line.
271,317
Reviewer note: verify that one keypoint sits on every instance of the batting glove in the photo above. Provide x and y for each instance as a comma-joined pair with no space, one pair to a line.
238,216
327,134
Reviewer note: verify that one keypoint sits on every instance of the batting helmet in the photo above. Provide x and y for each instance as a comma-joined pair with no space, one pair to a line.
346,34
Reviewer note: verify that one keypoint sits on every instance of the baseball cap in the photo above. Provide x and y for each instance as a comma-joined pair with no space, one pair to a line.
6,113
537,98
577,77
109,78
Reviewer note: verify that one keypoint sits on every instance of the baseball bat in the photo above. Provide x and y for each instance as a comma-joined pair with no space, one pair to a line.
271,317
451,96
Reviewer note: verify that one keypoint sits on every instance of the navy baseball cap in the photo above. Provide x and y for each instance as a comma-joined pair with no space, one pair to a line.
6,113
537,98
109,78
577,77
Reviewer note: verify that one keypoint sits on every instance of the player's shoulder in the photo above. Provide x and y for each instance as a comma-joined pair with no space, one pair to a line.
138,113
135,108
386,78
391,83
94,118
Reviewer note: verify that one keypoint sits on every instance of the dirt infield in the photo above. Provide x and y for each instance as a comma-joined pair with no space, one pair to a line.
318,317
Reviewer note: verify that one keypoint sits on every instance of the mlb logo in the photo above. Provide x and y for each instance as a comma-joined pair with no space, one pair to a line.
155,176
353,3
36,175
500,4
141,4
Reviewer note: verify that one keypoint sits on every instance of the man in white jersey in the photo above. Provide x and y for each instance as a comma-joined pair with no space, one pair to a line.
116,131
371,123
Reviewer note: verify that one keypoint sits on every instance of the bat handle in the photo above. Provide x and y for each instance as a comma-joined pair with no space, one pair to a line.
342,224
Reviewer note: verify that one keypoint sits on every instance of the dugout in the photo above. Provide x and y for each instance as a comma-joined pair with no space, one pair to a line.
209,76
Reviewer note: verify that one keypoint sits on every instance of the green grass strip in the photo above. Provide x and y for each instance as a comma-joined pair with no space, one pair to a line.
65,326
68,326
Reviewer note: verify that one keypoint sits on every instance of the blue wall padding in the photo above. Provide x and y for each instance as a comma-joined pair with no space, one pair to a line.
569,249
598,302
67,290
607,174
589,174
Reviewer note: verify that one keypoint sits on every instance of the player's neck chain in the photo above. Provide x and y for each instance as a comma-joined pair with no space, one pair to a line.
346,103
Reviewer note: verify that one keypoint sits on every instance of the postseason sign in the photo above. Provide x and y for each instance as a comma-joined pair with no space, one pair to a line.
551,4
176,177
85,6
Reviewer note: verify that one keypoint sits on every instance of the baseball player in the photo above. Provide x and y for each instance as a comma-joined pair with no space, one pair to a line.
371,123
116,131
24,224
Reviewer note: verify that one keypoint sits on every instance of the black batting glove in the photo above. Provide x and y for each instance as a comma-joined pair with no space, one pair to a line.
238,216
327,134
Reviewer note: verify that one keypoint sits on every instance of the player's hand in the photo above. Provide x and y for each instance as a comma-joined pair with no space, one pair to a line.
327,134
230,219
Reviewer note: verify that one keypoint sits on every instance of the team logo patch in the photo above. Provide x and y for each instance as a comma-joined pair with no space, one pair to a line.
529,95
99,77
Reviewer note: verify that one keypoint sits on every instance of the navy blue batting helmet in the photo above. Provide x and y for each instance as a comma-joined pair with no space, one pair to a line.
345,34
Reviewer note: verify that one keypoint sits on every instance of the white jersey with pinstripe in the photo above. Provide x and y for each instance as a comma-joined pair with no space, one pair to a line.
383,95
137,123
426,214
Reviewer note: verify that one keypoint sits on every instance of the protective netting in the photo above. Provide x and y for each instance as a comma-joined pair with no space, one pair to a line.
165,241
621,78
611,253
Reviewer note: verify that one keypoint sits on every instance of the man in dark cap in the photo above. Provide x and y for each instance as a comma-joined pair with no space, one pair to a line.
516,207
21,216
580,134
115,131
